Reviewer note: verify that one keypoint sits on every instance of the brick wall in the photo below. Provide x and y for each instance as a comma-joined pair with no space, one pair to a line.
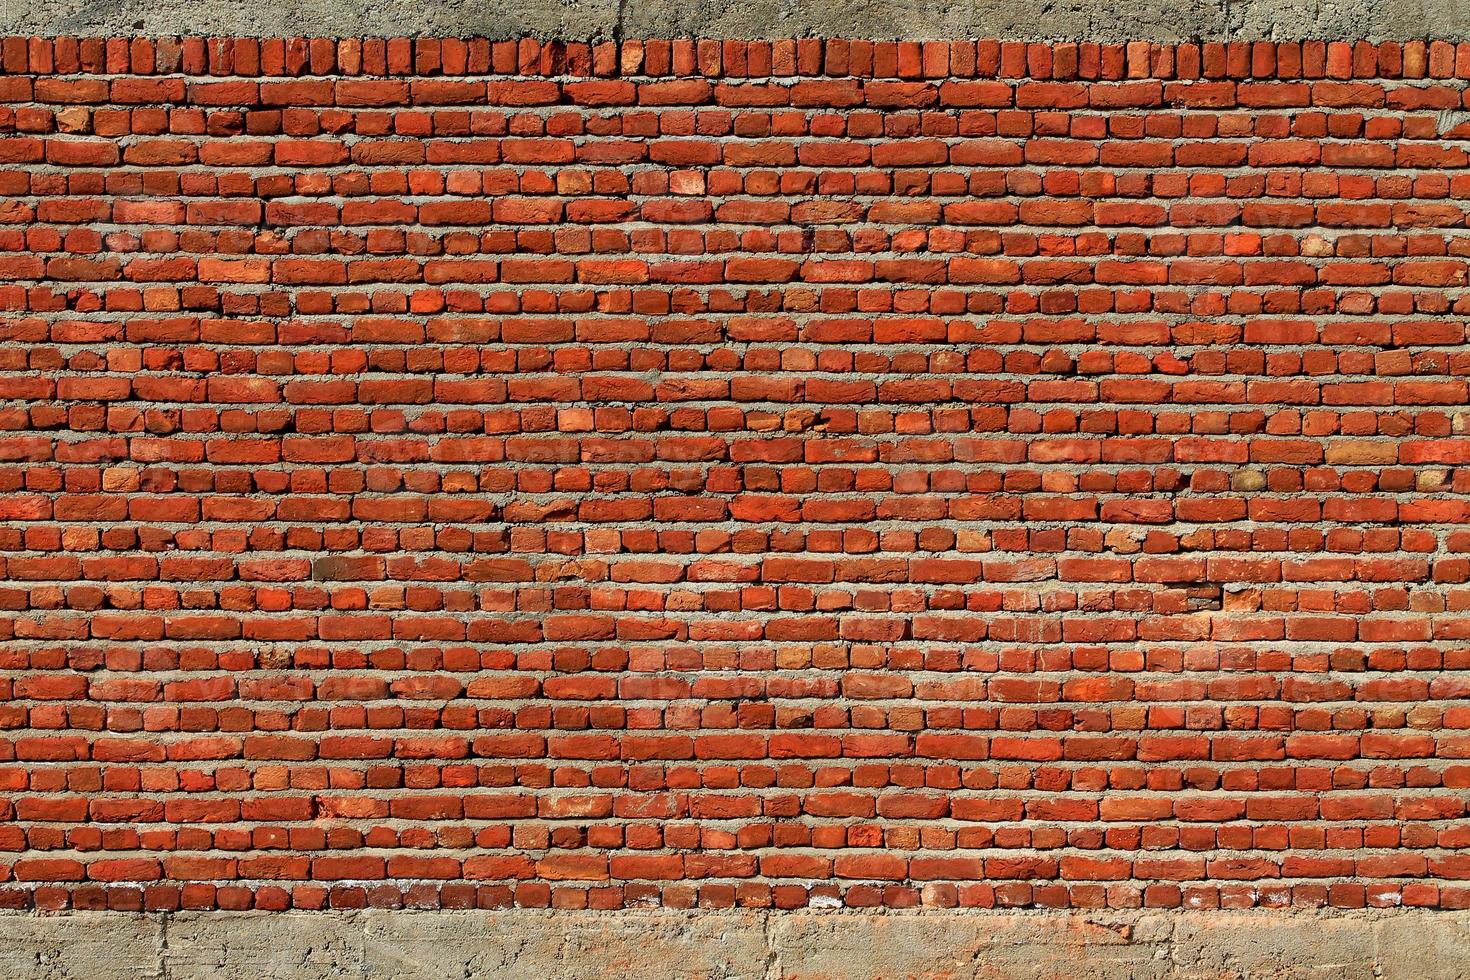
775,474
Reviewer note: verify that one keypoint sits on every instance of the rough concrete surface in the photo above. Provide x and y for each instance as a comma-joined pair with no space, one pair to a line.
601,19
653,945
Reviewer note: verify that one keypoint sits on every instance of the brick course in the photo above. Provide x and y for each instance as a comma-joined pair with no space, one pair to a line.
484,474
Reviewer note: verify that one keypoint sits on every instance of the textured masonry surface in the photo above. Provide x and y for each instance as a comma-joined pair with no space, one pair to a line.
601,20
739,945
454,474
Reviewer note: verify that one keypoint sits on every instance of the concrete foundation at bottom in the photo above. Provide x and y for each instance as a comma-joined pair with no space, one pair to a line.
652,945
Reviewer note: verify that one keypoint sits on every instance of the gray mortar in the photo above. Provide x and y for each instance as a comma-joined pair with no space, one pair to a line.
711,945
1090,20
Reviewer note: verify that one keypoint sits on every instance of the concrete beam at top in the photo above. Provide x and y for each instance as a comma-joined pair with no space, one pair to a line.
1025,20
